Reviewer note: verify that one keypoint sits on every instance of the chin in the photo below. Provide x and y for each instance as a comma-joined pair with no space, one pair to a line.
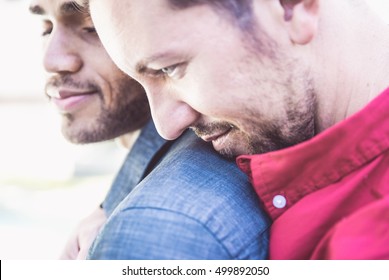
78,136
78,132
75,139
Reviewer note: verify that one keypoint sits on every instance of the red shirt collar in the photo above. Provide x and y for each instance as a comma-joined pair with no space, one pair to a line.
300,170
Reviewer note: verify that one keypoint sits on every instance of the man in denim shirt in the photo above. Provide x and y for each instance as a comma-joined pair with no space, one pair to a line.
95,100
170,200
193,205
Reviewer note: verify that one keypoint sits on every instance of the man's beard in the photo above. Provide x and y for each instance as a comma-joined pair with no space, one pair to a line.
265,135
122,118
126,112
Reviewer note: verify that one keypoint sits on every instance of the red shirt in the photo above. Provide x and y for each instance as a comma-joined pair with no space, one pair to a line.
329,196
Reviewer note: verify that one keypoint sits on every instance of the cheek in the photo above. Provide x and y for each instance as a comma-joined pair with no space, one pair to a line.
199,93
211,95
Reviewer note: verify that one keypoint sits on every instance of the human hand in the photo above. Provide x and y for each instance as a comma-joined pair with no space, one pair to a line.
81,239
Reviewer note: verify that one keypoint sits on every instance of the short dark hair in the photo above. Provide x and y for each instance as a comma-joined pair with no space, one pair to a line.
240,11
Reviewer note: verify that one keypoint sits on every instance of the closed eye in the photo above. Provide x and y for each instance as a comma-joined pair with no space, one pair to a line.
90,29
47,28
47,32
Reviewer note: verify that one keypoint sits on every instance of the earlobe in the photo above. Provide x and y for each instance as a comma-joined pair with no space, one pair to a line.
301,17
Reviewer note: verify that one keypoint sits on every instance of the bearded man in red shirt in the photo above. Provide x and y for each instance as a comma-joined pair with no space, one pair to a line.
298,86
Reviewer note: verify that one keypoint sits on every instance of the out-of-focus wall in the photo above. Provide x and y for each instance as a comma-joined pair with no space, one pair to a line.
381,7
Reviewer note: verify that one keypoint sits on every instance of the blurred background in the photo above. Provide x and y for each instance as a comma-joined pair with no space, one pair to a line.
46,184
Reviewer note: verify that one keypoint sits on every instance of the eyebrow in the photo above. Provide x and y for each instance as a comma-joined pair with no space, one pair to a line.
37,10
70,7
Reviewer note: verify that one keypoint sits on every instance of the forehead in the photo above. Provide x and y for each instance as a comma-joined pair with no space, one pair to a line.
56,7
127,28
133,31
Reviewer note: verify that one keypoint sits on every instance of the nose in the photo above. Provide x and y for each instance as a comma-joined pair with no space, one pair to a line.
171,115
60,53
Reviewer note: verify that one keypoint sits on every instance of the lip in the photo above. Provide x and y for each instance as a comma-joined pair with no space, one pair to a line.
69,100
215,137
62,93
221,141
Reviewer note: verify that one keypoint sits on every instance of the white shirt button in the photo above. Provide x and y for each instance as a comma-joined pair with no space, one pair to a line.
279,201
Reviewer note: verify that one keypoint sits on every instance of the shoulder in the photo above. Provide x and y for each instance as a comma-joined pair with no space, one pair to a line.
194,162
189,176
194,197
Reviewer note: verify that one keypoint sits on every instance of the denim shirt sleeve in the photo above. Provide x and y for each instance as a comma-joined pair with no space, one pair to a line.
147,234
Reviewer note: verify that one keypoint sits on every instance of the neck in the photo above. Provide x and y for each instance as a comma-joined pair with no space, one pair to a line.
352,67
128,140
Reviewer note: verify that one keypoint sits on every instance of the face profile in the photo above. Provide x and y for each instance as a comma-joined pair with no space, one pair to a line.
96,100
245,95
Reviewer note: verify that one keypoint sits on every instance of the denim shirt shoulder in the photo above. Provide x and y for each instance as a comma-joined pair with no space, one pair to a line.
193,205
135,166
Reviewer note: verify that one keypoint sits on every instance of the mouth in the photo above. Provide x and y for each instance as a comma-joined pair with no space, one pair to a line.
68,100
216,137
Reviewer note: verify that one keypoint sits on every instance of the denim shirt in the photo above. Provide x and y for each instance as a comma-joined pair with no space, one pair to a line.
194,204
147,149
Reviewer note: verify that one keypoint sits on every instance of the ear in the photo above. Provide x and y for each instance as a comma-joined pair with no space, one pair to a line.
301,17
